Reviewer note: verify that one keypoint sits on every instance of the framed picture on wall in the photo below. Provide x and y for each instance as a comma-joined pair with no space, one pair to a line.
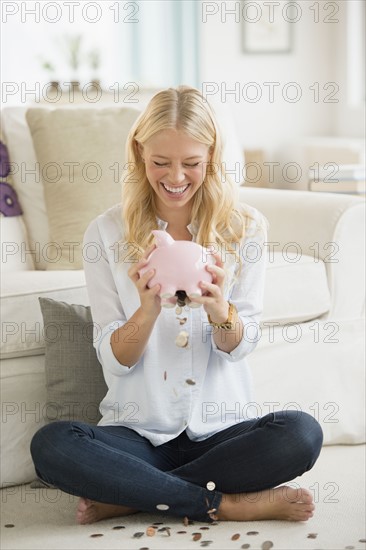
267,27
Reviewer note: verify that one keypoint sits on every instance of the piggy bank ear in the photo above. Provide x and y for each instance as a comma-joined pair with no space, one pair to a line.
162,238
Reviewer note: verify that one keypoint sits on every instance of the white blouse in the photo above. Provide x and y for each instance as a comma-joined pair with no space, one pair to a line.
198,388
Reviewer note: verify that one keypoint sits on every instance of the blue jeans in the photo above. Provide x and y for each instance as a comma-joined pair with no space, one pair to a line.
114,464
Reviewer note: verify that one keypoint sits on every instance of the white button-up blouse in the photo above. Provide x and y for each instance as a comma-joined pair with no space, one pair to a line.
198,388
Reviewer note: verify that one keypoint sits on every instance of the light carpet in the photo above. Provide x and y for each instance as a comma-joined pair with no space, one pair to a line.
44,518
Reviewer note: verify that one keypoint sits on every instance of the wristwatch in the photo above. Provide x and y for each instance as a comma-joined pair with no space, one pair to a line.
229,324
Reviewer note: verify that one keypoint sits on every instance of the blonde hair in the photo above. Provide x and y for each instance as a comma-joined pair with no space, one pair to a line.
219,219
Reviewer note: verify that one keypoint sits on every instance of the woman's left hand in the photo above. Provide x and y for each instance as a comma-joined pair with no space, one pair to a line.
213,301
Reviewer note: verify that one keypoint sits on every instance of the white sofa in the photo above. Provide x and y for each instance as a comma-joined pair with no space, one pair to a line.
310,356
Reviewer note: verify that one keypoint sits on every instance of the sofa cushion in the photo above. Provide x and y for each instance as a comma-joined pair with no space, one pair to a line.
81,155
316,367
22,325
74,377
23,402
296,288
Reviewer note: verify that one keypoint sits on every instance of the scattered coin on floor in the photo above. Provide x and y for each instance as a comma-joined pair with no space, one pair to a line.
158,523
144,548
117,527
182,320
178,310
214,523
190,382
162,507
138,535
204,528
362,540
267,545
197,536
96,535
165,375
246,545
181,532
185,521
150,531
252,533
312,535
9,525
236,536
210,485
164,530
206,542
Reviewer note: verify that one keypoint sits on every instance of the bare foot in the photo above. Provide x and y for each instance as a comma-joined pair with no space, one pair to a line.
283,503
90,511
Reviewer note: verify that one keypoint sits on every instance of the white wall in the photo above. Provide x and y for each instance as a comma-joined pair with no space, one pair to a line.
319,55
350,54
274,126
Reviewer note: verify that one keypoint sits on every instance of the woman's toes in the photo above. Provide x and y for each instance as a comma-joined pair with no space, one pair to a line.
306,496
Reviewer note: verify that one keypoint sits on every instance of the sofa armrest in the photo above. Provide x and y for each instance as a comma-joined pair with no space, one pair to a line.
328,227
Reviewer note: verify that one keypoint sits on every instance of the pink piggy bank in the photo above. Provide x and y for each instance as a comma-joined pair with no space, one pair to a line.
179,265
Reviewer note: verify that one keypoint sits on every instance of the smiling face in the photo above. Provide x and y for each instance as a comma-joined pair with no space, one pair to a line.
175,167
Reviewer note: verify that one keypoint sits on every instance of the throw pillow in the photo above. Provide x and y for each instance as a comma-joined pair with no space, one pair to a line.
13,234
81,156
74,376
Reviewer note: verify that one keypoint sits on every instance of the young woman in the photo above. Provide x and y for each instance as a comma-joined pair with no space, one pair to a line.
179,432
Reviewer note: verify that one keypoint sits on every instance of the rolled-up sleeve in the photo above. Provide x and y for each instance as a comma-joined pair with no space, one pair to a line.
106,308
248,291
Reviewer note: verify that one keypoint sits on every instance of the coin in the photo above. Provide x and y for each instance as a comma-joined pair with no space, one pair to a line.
210,485
204,528
96,535
9,525
252,533
236,536
197,536
267,545
165,375
116,527
150,531
138,535
162,507
178,310
182,339
181,532
312,535
190,382
246,545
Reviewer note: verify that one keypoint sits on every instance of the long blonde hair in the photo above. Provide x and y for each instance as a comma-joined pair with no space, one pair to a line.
216,211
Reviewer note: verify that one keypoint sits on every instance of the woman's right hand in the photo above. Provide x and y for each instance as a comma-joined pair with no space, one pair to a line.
150,301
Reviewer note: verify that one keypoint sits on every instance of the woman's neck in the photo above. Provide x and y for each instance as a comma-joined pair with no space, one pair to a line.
177,220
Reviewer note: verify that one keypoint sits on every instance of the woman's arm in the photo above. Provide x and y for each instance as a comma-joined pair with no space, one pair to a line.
119,342
129,350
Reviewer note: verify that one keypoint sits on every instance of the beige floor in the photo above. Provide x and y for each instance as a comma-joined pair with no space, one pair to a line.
44,519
